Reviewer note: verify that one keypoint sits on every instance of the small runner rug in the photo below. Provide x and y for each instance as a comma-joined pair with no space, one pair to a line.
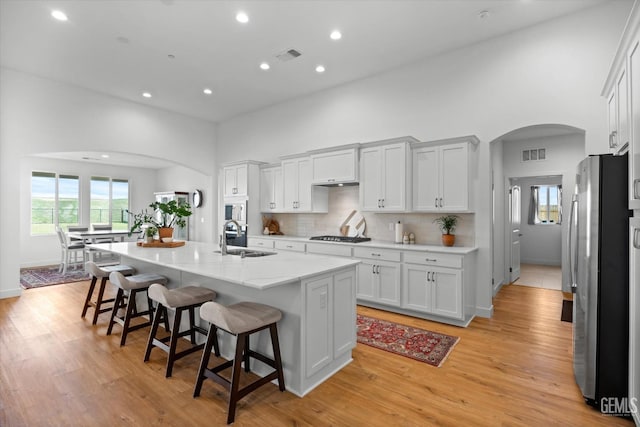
419,344
37,277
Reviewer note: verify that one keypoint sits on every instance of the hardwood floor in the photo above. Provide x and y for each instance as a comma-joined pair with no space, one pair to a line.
513,369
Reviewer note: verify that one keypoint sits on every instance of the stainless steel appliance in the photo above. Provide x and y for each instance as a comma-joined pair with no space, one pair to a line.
236,210
599,265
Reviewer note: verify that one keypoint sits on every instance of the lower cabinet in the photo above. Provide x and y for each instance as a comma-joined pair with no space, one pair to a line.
433,290
379,281
330,319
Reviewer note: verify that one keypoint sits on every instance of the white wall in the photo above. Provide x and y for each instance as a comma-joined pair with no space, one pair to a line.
550,73
499,277
540,243
563,155
39,115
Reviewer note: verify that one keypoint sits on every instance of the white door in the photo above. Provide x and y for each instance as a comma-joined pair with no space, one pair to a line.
425,179
416,288
447,292
278,190
365,286
290,184
370,178
515,215
304,186
393,179
230,181
242,174
266,190
388,276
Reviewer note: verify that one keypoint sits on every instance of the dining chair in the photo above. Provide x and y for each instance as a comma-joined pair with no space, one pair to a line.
68,249
80,228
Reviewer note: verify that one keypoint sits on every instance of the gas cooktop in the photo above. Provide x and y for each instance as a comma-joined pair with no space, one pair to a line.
346,239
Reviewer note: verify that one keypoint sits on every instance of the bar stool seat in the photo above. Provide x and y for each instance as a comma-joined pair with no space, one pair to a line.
96,272
180,299
133,285
242,320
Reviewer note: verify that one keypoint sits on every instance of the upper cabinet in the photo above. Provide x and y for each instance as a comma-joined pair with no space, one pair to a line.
235,180
385,176
298,193
271,189
335,166
441,175
622,89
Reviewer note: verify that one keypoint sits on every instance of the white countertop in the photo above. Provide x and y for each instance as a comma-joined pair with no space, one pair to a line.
259,273
461,250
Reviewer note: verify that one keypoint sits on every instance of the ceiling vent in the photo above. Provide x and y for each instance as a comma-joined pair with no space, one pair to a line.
288,55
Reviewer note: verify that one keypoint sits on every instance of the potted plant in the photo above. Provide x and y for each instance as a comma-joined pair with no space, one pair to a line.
447,225
163,217
149,232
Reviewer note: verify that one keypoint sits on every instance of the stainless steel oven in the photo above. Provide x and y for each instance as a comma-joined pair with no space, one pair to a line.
236,210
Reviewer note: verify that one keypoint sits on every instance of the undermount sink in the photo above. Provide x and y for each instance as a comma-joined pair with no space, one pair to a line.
247,253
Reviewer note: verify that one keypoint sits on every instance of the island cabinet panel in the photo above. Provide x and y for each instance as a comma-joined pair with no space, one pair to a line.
329,322
319,351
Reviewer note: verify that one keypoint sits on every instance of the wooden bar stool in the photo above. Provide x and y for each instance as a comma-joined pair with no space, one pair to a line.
180,299
103,273
241,320
134,285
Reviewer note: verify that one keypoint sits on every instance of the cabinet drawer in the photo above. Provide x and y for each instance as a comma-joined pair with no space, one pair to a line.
290,246
433,259
262,243
329,249
377,254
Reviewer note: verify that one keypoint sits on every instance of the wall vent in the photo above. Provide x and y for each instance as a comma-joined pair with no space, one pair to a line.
288,55
534,154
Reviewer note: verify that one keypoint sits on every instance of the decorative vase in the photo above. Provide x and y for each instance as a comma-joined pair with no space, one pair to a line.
165,232
448,239
149,239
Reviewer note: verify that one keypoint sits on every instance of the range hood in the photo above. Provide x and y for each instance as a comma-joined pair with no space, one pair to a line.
336,184
335,167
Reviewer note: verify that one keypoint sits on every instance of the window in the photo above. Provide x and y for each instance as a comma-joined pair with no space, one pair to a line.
546,204
109,202
54,201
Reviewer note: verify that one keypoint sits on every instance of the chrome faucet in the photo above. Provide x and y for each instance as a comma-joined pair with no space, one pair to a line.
223,237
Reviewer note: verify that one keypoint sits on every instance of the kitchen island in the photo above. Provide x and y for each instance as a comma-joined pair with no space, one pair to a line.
316,294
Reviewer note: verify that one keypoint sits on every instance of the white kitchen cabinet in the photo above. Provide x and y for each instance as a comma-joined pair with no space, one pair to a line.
334,166
441,176
634,313
622,89
433,290
379,275
298,193
271,189
259,242
290,245
332,336
235,180
385,176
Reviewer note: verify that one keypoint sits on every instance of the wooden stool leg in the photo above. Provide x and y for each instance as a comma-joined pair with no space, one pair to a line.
235,378
175,332
192,324
131,308
96,312
246,353
273,328
117,304
161,311
212,340
87,301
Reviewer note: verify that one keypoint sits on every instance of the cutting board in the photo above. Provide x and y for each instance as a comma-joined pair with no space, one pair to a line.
159,244
354,225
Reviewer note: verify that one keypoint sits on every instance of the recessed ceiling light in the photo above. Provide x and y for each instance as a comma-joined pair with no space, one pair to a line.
264,66
336,35
59,15
104,156
207,91
320,69
242,17
146,94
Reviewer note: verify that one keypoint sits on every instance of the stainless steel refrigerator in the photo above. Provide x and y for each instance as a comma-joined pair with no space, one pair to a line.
599,264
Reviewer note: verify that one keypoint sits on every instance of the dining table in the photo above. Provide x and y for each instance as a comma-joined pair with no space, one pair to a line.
96,236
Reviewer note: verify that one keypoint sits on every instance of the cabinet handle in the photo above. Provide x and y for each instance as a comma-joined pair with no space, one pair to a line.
289,246
636,191
436,203
433,276
373,269
377,269
383,203
379,203
440,201
428,276
431,260
612,139
374,254
636,238
331,180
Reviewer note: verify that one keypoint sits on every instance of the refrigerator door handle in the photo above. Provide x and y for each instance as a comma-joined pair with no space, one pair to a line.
572,272
636,238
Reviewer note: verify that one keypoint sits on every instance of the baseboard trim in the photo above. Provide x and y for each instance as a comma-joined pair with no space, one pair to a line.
484,311
10,293
497,287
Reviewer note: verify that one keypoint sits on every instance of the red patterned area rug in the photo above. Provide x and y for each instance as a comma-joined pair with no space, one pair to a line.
37,277
419,344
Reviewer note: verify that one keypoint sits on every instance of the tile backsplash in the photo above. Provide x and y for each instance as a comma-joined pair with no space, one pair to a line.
342,200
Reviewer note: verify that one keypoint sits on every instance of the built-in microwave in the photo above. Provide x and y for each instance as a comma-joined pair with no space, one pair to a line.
236,210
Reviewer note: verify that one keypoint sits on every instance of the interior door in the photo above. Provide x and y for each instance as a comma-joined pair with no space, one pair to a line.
514,220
